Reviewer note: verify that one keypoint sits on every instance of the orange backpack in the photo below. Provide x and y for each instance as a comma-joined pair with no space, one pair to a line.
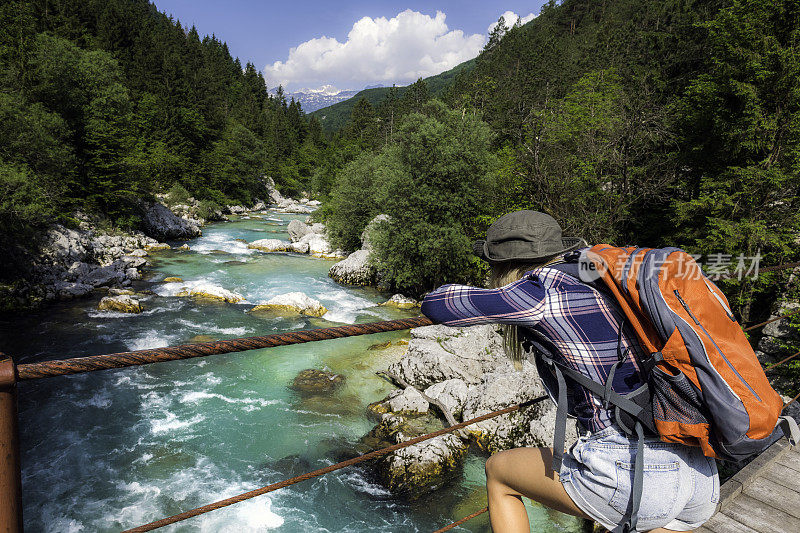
708,387
703,384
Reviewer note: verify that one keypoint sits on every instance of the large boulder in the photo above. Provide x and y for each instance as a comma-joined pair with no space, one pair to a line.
297,230
314,381
270,245
532,426
121,303
162,223
453,393
438,353
466,370
273,194
65,246
354,270
421,468
67,290
401,302
101,276
318,246
778,336
206,291
292,303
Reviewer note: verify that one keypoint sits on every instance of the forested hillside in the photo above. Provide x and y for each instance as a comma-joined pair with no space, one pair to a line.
651,122
103,102
336,116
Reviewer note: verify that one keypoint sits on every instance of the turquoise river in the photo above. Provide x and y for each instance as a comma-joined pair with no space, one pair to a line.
114,449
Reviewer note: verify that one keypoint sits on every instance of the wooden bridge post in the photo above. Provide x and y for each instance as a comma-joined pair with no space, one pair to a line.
10,475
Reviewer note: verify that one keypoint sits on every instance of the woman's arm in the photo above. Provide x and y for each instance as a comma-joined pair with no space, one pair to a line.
521,302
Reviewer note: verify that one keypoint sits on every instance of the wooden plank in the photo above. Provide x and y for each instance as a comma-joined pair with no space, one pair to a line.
774,495
783,476
721,523
791,461
761,517
735,485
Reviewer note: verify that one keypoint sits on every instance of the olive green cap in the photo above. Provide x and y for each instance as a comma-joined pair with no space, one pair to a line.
524,235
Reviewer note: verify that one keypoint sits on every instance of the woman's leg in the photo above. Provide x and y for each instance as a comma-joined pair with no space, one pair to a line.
527,472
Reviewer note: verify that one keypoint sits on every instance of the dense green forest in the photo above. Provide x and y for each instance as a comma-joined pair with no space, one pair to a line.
654,122
104,102
648,122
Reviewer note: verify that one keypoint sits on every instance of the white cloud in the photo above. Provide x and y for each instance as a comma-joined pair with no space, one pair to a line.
396,50
511,19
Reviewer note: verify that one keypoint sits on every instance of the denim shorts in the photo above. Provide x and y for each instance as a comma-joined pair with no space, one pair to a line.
681,485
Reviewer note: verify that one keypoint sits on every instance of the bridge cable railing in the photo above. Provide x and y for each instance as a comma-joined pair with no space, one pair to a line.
10,374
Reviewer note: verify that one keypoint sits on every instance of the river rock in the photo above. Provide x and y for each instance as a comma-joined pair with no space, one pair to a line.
66,290
107,275
299,247
401,302
354,270
292,303
157,246
317,244
132,261
122,304
421,468
65,245
272,192
162,223
531,427
438,353
120,292
270,245
211,292
77,270
171,279
778,337
407,401
466,370
452,393
312,380
297,230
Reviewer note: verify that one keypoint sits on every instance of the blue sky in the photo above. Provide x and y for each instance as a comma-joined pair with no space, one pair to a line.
397,43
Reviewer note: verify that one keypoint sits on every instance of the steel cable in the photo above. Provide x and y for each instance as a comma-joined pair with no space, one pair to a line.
459,522
771,320
92,363
782,361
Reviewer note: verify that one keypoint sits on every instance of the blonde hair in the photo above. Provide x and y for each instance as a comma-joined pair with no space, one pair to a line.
502,274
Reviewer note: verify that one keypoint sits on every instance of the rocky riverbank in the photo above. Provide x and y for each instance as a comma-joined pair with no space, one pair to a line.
72,262
463,372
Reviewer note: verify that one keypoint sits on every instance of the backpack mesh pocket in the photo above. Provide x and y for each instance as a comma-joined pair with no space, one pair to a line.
675,399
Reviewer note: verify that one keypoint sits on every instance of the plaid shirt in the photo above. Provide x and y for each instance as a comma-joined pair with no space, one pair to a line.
581,322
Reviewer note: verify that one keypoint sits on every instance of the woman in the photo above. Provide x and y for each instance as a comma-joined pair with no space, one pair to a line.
582,326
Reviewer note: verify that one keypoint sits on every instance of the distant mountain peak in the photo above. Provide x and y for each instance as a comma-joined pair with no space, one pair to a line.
327,90
313,99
